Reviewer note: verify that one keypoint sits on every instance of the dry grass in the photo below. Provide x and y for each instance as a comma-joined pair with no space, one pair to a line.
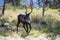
12,14
36,14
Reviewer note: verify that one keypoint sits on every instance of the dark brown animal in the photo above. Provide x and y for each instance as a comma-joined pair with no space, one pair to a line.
25,19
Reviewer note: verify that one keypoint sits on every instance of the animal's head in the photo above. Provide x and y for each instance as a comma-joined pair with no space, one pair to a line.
27,15
28,18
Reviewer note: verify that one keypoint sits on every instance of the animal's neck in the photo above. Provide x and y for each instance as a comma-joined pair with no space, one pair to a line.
29,13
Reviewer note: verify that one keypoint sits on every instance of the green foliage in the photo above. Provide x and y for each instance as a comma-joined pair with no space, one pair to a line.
49,24
55,4
14,2
52,27
3,20
4,33
14,22
46,9
35,32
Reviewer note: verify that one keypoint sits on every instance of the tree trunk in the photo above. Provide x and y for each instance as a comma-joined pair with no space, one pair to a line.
26,8
17,2
3,7
38,3
43,8
25,5
31,5
13,2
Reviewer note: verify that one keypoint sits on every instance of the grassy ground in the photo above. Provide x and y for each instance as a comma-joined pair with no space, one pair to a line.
49,24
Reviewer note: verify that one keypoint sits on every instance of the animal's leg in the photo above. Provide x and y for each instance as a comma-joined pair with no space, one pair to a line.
30,26
27,28
24,26
17,26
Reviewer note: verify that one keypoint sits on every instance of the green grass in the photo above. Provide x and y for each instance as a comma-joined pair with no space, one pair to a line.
4,33
48,24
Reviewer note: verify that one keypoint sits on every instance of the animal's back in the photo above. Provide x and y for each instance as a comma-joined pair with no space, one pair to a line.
21,17
24,18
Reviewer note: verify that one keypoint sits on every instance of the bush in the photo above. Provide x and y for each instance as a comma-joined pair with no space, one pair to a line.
14,22
3,20
53,25
4,33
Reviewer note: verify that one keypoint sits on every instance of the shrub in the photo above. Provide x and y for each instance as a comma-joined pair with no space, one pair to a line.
3,20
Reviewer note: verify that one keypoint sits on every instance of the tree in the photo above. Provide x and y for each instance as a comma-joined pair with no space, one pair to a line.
3,7
31,5
17,2
43,8
14,2
54,3
47,3
38,2
25,5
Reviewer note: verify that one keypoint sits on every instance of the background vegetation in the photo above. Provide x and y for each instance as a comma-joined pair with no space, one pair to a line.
48,24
